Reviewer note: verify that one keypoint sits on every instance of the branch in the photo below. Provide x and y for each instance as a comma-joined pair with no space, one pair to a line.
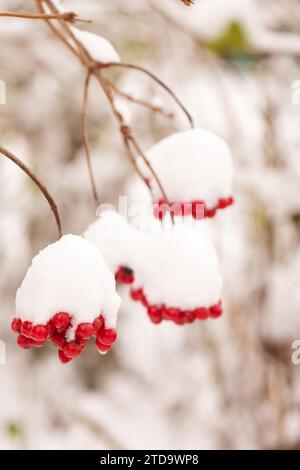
141,102
155,79
95,68
129,138
85,138
67,16
39,184
56,32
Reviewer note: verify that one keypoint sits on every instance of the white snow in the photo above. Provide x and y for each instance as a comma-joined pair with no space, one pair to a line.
175,265
99,48
179,268
70,276
193,165
118,241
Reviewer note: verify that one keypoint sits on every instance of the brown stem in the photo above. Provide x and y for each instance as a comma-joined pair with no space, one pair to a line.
158,81
56,32
94,68
67,16
128,137
85,138
81,51
39,184
144,103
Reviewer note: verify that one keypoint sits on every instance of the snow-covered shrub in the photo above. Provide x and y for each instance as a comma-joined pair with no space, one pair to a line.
67,296
195,170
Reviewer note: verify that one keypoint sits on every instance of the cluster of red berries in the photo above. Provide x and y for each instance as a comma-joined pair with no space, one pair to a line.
124,275
196,208
157,313
30,335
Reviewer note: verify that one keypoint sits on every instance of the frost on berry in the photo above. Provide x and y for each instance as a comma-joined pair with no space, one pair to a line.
67,297
195,169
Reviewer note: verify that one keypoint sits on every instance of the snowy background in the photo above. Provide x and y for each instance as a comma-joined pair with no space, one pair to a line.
229,383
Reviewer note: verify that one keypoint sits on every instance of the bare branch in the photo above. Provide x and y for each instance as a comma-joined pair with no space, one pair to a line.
85,138
38,183
157,80
66,16
141,102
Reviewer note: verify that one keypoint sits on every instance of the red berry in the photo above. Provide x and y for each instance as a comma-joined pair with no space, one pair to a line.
174,314
222,203
190,316
103,348
137,294
40,332
164,312
216,310
58,339
125,275
26,328
180,321
37,344
155,314
201,313
63,358
72,349
98,323
85,330
61,321
81,342
24,342
210,212
107,336
16,325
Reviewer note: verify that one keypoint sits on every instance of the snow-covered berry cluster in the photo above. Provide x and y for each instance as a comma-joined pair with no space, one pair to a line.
67,297
195,169
173,269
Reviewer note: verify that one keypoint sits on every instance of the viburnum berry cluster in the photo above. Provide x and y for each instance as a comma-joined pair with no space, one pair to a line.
67,297
195,169
173,269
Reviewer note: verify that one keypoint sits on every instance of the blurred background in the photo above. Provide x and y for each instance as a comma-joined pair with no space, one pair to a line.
227,384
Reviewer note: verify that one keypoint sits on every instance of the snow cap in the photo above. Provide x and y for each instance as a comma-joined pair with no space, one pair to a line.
68,276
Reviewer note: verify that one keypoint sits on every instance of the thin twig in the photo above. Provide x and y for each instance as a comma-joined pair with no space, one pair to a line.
157,80
85,137
81,51
56,32
39,184
128,136
67,16
141,102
